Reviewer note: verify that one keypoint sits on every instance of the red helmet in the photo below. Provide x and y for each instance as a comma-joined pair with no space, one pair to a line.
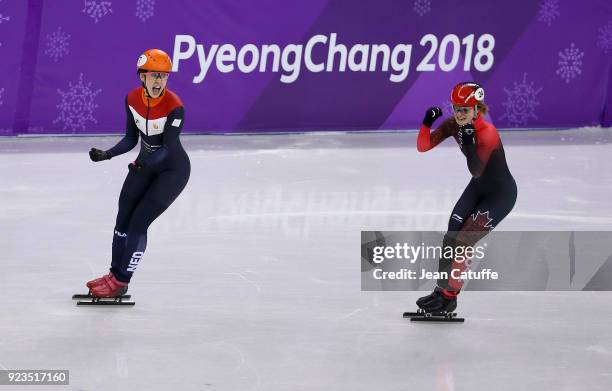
467,94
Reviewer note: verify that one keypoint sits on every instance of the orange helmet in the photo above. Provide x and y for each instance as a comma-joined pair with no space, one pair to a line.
154,60
467,94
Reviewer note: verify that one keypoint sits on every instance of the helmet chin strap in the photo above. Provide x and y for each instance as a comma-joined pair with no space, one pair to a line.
144,85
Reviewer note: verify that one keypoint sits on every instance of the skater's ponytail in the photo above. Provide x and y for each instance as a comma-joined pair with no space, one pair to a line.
483,108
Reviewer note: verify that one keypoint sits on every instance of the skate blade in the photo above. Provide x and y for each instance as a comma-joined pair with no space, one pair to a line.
106,302
88,296
437,319
413,314
422,316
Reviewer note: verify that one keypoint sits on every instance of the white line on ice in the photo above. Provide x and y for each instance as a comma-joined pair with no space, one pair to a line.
245,279
352,313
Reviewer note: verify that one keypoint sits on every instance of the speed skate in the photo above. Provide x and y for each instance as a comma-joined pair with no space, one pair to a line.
91,300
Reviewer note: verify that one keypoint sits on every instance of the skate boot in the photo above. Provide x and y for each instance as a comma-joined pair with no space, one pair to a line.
440,301
97,281
109,287
438,306
430,296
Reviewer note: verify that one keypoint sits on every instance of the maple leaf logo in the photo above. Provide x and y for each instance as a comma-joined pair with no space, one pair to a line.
483,219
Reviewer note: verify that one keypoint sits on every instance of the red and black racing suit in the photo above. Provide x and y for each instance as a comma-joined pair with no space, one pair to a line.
487,199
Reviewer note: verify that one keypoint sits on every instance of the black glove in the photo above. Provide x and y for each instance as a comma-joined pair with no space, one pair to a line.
98,155
467,135
431,115
135,167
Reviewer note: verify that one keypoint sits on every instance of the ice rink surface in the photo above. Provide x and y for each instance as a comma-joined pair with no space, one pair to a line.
251,280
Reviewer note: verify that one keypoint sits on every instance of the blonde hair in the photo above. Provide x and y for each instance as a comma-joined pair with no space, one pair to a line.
483,108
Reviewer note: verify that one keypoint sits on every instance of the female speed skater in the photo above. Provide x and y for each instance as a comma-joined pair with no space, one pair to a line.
157,176
486,200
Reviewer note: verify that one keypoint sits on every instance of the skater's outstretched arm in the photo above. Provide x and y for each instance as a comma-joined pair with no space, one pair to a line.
427,139
172,129
129,141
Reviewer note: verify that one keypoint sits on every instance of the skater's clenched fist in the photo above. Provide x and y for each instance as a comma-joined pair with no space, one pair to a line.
431,115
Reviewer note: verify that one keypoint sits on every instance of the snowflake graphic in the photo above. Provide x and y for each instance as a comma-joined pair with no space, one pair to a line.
447,108
521,103
97,10
549,11
604,41
570,62
422,7
77,105
4,19
1,92
57,44
145,9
